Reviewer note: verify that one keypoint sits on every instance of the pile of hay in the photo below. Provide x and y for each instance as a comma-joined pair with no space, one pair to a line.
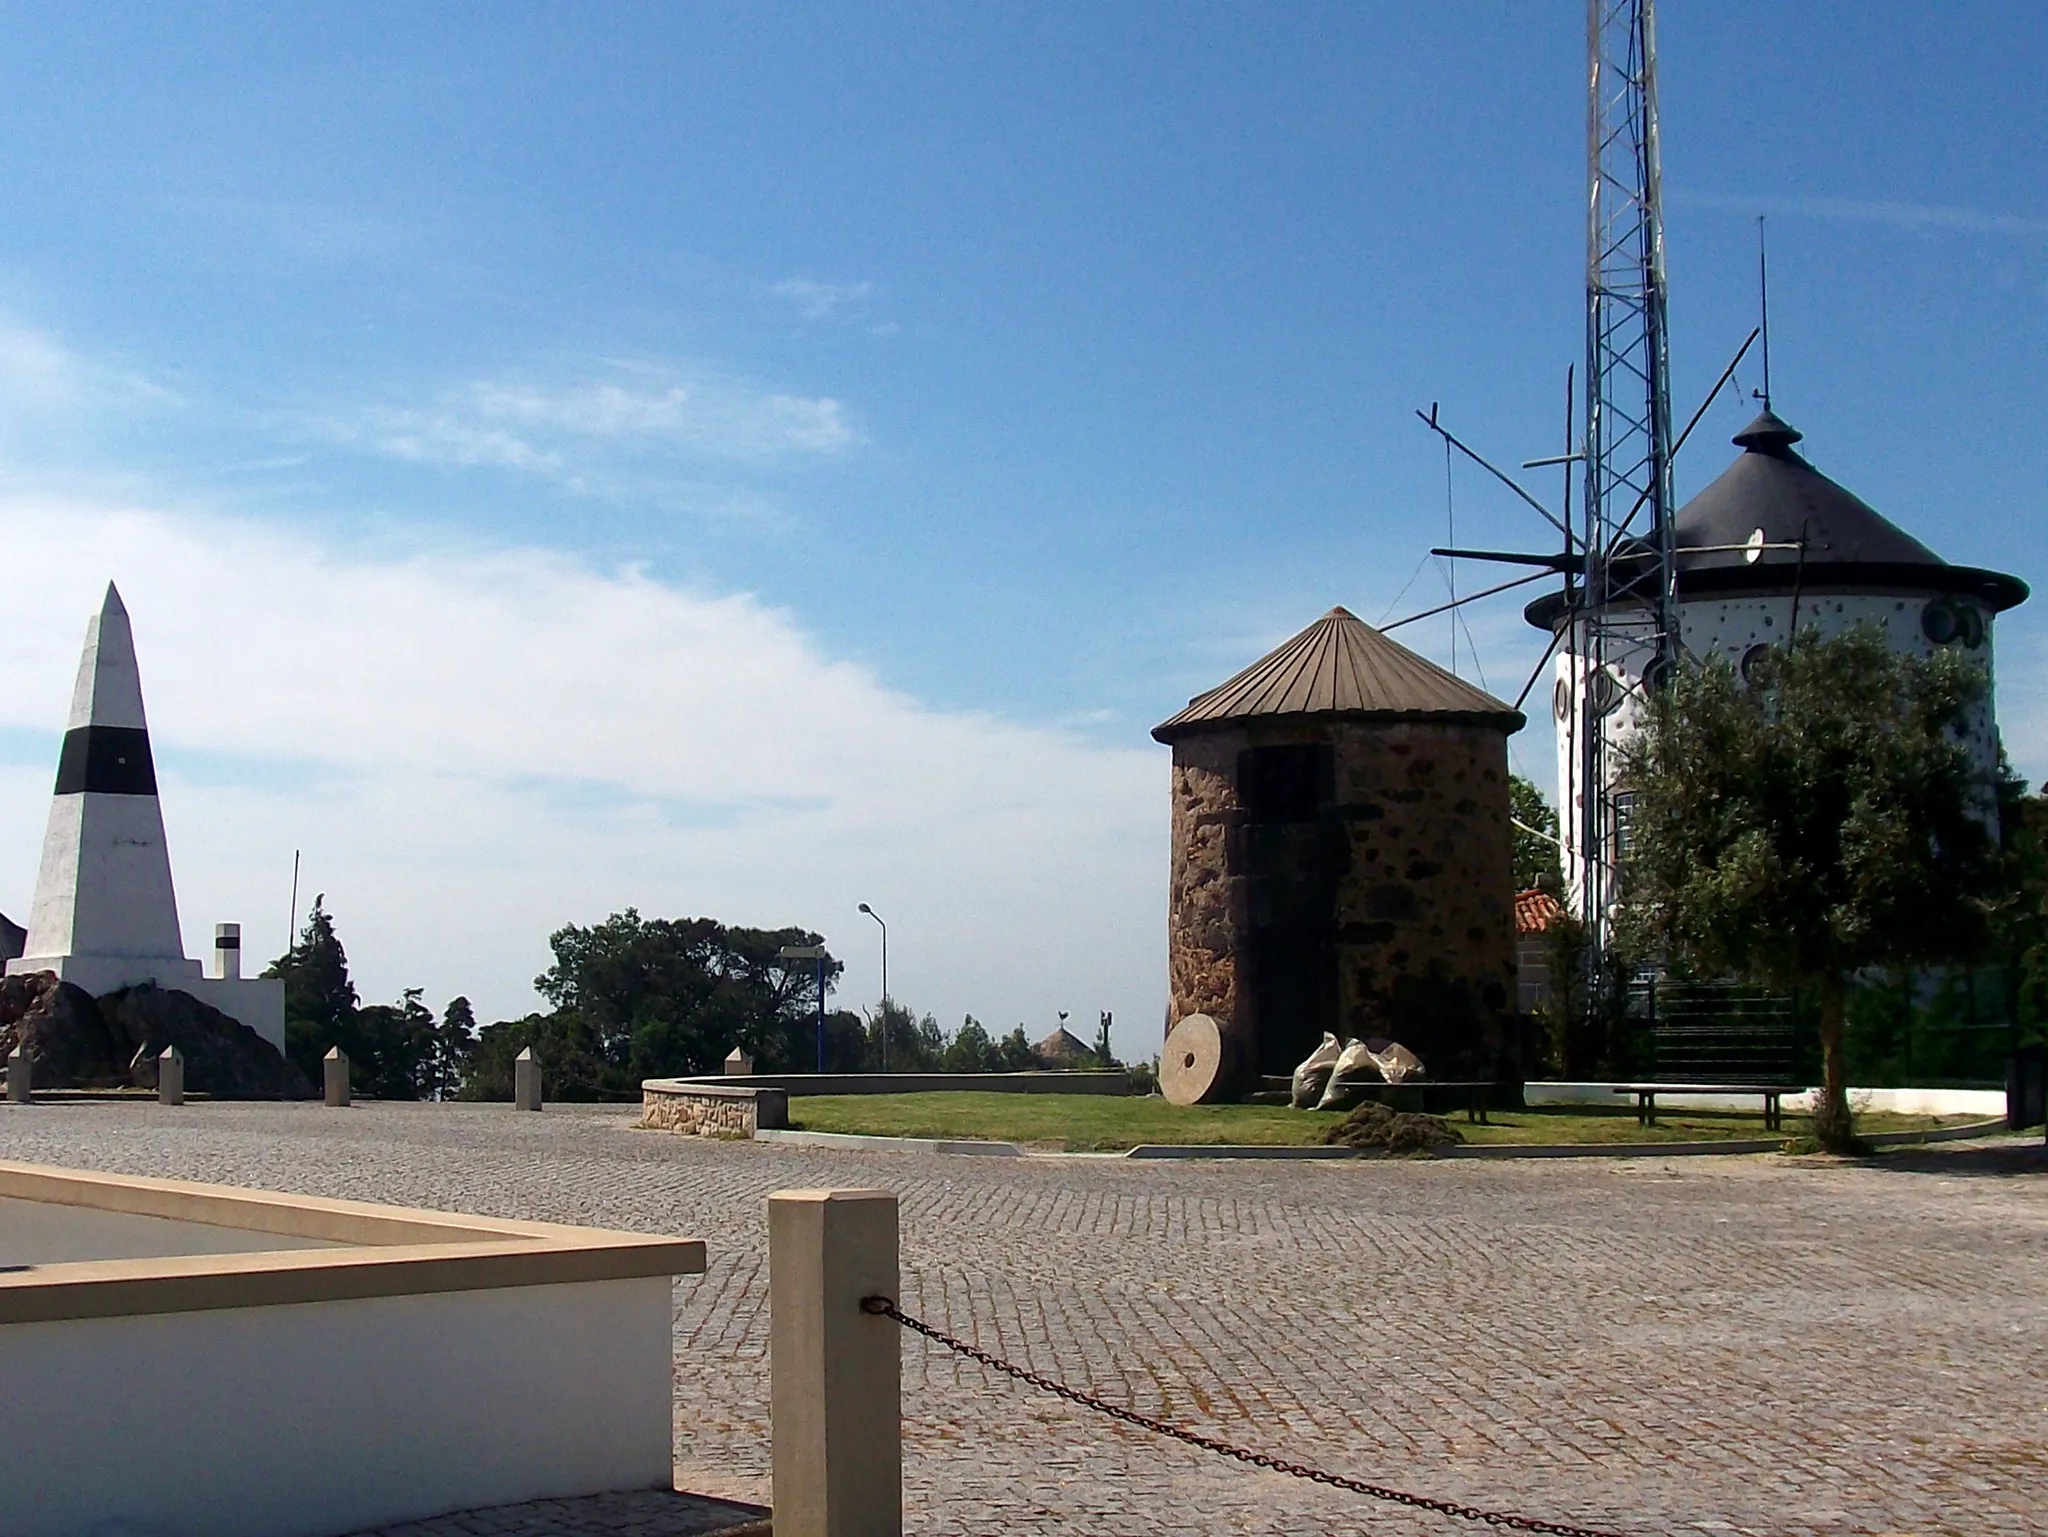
1373,1125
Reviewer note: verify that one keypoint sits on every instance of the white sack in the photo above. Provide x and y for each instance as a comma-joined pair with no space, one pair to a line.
1314,1072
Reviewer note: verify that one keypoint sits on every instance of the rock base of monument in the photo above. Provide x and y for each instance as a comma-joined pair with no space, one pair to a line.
77,1041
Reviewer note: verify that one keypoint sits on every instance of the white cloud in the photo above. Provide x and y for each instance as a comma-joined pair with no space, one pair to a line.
588,434
821,301
474,746
40,376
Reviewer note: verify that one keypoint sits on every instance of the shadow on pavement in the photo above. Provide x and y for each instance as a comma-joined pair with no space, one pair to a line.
1998,1160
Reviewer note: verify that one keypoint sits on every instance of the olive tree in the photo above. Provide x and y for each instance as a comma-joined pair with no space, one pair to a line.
1820,818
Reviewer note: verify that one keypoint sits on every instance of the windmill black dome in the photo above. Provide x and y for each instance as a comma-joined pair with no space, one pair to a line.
1849,544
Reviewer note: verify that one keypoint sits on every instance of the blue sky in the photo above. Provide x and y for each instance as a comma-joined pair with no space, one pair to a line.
975,382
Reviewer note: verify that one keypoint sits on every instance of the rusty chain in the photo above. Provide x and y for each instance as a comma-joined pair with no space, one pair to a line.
885,1307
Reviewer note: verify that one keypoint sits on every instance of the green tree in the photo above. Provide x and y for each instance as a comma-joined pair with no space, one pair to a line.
391,1048
1104,1057
572,1065
1823,819
319,999
2022,920
1536,853
1013,1053
454,1041
659,997
914,1045
970,1050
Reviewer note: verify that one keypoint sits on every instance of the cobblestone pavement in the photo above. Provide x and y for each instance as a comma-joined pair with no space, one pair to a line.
1656,1346
639,1513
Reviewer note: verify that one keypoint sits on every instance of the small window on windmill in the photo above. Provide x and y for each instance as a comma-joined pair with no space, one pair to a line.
1286,784
1940,622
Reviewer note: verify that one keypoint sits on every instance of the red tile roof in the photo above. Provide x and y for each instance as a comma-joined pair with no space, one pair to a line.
1536,911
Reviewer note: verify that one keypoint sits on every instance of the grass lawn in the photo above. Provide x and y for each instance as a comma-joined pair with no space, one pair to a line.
1093,1123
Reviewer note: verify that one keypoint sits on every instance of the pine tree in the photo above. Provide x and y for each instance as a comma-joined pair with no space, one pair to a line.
319,999
454,1045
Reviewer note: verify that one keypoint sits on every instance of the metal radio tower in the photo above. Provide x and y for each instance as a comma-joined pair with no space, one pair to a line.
1624,631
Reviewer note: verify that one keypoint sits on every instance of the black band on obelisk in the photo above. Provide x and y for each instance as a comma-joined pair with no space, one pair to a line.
106,760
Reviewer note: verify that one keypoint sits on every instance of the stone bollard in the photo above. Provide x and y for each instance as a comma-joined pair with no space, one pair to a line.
526,1080
334,1076
835,1403
738,1064
170,1077
21,1069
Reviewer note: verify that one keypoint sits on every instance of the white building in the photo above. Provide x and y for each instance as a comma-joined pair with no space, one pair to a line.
105,914
1777,546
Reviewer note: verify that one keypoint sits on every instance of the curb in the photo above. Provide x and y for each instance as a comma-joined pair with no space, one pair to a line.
1241,1150
1187,1151
856,1142
1564,1149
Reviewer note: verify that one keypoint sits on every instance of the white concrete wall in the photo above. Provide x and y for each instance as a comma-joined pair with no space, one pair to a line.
1729,627
257,1002
1984,1102
327,1418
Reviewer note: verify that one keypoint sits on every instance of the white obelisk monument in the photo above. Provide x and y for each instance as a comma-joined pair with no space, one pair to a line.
105,913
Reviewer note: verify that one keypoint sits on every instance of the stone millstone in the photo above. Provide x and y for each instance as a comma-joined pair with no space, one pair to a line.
1195,1064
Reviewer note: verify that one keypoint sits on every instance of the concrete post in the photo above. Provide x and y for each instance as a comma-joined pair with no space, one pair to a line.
836,1371
526,1080
334,1073
170,1076
21,1070
227,950
738,1063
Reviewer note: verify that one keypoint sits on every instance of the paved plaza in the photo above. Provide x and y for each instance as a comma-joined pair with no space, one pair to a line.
1748,1344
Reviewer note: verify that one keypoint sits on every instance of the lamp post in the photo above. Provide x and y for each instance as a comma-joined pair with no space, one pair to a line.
812,953
885,982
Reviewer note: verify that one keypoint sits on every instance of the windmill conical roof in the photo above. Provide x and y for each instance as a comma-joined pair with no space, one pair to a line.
1340,666
1771,490
1811,532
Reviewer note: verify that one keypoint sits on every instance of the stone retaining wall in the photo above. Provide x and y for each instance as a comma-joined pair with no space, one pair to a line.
1033,1082
710,1110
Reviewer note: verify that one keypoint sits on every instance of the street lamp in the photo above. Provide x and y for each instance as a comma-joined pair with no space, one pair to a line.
885,982
812,953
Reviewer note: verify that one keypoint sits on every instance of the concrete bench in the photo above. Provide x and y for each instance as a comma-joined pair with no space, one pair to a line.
1646,1097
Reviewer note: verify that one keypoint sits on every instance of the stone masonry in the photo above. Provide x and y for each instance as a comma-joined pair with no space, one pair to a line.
710,1110
1417,844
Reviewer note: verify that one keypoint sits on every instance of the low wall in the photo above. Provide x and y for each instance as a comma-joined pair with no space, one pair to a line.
1896,1101
316,1419
797,1084
741,1104
339,1366
711,1107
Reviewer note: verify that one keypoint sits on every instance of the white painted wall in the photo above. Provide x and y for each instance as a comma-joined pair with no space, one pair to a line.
1729,627
1984,1102
326,1418
257,1002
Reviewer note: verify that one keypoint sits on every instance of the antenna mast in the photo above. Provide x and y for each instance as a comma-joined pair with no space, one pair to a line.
1624,635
